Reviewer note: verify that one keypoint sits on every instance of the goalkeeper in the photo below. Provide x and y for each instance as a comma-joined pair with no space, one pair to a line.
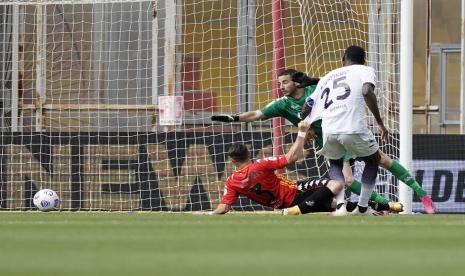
296,87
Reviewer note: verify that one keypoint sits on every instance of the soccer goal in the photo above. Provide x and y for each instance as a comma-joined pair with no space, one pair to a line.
108,102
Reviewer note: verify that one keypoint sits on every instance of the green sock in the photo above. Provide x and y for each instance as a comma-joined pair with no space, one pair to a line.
356,187
403,175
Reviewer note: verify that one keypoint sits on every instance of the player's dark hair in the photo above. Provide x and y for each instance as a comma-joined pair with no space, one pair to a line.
354,54
239,152
299,77
287,72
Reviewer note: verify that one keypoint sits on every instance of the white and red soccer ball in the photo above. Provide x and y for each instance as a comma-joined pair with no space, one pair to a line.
46,200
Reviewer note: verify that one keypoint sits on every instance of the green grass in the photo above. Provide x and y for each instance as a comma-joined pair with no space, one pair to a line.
33,243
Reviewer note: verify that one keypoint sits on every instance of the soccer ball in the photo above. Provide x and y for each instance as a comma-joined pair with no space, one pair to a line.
46,200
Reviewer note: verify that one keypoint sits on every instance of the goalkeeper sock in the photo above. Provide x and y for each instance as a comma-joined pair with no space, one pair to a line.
403,175
356,187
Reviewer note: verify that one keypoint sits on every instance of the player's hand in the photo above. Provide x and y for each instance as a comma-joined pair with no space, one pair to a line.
384,133
347,172
225,118
303,126
310,136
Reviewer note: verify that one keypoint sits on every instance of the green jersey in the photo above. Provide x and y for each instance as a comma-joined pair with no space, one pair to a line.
290,109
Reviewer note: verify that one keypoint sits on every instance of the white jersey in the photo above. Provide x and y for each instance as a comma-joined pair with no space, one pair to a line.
339,102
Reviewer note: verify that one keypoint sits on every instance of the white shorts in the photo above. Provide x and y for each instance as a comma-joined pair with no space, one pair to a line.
356,145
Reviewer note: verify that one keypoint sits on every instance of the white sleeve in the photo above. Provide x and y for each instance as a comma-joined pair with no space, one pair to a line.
367,75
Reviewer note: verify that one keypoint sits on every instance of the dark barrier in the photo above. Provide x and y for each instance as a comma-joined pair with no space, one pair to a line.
181,171
145,169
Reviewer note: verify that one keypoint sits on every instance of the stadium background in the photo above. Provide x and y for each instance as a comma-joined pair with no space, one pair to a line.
111,159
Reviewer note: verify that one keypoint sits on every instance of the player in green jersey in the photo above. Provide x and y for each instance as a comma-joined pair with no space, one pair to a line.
296,87
295,90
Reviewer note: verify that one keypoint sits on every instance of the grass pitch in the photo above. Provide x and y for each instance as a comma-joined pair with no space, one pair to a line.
33,243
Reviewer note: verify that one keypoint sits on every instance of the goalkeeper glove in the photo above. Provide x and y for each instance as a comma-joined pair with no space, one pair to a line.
225,118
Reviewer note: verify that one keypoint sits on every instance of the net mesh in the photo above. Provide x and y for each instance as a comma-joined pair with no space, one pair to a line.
82,112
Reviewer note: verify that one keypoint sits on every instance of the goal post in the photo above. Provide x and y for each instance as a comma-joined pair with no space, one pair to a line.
86,77
406,96
278,10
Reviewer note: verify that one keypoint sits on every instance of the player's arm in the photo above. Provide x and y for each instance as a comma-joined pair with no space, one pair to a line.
309,115
230,195
310,136
368,91
222,209
307,108
249,116
294,152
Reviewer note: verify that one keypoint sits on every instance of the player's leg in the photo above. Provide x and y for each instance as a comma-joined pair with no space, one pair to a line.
334,151
317,197
369,175
339,198
403,175
356,187
336,172
381,208
365,147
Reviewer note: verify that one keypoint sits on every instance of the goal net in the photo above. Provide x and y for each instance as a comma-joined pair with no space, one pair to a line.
108,102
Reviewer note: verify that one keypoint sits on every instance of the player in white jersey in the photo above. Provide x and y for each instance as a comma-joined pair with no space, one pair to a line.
339,100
